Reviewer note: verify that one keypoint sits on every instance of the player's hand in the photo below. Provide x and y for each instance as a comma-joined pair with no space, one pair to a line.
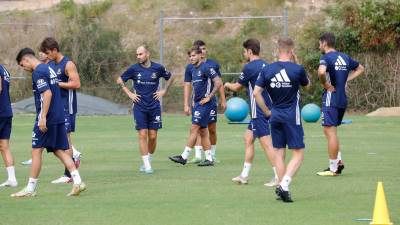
226,85
186,109
159,94
223,106
267,113
329,88
205,100
135,98
42,125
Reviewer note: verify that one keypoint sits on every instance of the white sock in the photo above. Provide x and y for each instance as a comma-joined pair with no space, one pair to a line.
75,151
213,150
208,155
275,174
285,182
146,161
185,154
76,177
198,149
333,165
150,157
246,169
339,156
11,173
31,184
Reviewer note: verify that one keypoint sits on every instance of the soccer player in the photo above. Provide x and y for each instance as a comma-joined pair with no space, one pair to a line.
49,129
335,70
146,96
212,126
282,80
43,58
259,124
206,83
69,81
5,128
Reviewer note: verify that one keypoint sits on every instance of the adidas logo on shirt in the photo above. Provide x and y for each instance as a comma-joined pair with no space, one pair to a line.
340,64
281,79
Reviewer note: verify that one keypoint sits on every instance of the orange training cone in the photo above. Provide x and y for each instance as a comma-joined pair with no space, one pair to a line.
381,212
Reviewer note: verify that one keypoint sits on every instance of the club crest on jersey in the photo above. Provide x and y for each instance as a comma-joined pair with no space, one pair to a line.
281,80
199,73
58,71
153,76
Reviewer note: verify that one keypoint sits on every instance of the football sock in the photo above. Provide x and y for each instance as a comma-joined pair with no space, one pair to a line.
208,155
198,149
11,173
185,154
76,177
246,169
31,184
285,182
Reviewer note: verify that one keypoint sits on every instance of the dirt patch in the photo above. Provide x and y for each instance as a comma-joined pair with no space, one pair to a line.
386,111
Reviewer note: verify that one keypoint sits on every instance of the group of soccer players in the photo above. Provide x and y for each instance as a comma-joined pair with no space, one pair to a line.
54,83
273,91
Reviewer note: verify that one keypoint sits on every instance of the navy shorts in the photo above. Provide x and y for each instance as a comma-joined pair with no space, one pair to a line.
55,138
213,113
5,127
283,134
147,119
332,116
70,122
260,127
201,114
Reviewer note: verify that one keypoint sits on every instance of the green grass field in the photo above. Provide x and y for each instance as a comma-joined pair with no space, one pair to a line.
174,194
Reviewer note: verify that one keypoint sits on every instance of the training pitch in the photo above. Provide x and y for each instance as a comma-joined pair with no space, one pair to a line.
119,194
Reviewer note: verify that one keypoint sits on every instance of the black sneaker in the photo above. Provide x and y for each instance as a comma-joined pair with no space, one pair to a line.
206,163
178,159
283,195
339,168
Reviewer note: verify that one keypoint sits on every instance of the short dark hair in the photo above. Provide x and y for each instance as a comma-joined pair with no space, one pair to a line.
49,43
23,52
199,43
253,45
329,38
195,49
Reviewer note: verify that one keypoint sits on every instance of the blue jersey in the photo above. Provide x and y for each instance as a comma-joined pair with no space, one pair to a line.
282,81
338,66
68,95
5,102
211,63
146,82
45,78
248,79
201,78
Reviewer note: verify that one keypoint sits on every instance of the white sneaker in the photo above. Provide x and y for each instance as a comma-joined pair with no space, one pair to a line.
62,180
272,183
9,183
77,189
24,193
240,180
27,162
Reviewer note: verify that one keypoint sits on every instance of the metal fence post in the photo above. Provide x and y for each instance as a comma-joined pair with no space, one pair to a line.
161,49
285,22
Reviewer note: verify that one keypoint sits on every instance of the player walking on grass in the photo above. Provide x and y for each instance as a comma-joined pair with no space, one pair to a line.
49,129
335,70
5,128
212,126
206,83
69,81
282,80
259,124
146,96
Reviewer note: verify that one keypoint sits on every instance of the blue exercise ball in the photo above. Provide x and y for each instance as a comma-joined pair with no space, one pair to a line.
236,109
311,113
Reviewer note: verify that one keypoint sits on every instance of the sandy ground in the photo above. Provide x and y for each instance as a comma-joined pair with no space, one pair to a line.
389,111
34,4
